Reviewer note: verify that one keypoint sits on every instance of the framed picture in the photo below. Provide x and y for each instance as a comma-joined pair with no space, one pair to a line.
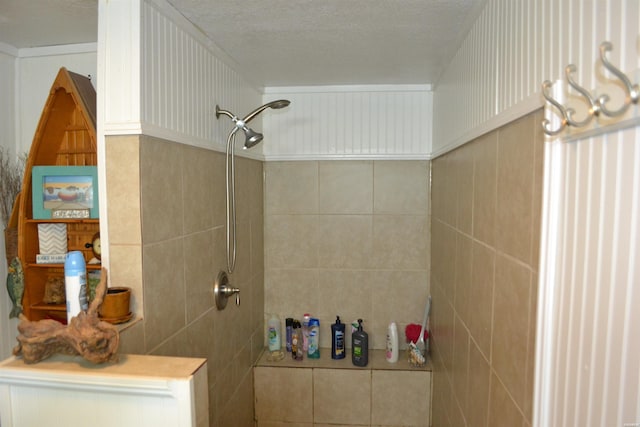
64,192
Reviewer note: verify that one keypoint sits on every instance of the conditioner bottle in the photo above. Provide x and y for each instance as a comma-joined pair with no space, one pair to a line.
392,343
360,346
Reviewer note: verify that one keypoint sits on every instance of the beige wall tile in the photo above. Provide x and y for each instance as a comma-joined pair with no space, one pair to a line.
515,188
132,339
198,269
481,293
478,388
164,292
484,187
503,412
443,253
291,241
292,188
442,327
345,187
161,178
463,277
341,396
498,313
400,187
283,395
202,179
400,296
460,365
123,182
400,241
511,325
291,292
126,270
345,241
464,169
400,398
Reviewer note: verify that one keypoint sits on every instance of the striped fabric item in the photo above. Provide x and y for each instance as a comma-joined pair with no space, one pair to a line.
52,238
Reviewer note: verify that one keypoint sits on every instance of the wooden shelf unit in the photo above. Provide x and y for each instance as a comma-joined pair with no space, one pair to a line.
65,136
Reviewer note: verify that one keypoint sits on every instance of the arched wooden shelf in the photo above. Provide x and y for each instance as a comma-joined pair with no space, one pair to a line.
65,136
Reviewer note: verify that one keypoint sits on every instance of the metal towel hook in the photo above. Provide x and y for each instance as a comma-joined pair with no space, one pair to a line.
594,108
633,92
546,85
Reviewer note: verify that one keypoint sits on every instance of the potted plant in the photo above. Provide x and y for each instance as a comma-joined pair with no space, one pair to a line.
11,170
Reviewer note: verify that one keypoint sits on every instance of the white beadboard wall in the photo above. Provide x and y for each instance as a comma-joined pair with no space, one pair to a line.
164,77
589,351
180,75
514,46
349,122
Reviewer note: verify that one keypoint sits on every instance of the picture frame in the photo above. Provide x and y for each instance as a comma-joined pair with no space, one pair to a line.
64,192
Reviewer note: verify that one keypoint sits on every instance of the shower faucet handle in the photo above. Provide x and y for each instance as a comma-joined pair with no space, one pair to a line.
222,290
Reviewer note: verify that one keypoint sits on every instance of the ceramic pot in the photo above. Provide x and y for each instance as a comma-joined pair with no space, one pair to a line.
116,303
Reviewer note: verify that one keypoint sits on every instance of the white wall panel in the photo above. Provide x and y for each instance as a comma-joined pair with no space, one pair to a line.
183,77
515,45
164,77
347,122
590,286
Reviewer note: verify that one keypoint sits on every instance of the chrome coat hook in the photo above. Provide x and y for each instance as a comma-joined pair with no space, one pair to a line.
546,85
632,90
594,108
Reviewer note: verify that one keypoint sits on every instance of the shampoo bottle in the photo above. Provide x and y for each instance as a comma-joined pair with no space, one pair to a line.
337,339
314,338
296,341
273,333
360,346
75,283
288,322
392,343
305,331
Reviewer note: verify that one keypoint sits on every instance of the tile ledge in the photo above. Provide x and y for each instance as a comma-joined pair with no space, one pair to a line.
377,362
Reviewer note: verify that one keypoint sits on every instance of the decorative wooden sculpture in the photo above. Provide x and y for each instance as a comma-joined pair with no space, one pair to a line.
86,335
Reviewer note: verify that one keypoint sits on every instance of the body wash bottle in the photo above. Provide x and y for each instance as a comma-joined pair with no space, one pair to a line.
337,339
360,346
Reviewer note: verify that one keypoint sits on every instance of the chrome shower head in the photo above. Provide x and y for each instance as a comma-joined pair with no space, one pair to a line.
280,103
252,138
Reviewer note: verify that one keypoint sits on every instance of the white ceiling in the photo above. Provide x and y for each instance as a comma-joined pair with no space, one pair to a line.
286,42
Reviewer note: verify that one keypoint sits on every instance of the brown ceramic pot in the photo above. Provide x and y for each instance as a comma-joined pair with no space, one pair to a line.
116,303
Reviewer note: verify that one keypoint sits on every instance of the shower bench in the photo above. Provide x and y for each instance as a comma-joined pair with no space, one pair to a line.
327,391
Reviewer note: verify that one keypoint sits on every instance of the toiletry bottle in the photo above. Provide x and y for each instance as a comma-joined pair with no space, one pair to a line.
392,343
289,328
75,283
296,341
273,333
314,339
337,339
305,331
360,346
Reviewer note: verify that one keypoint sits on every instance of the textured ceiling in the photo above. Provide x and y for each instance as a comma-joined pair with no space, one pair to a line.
286,42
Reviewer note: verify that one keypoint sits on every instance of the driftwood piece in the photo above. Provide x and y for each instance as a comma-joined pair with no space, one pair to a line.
86,335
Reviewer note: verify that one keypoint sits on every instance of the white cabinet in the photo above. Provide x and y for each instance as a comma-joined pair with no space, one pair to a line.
137,391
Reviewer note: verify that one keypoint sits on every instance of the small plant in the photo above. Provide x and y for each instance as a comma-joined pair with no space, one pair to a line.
11,170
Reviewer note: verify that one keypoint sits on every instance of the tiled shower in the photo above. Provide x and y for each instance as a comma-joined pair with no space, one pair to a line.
486,201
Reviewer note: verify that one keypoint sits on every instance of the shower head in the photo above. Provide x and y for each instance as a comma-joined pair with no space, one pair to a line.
252,138
280,103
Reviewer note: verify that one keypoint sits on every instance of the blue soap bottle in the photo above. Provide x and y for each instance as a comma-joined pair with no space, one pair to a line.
337,339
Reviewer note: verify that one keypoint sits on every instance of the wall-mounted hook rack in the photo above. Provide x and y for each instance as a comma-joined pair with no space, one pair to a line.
597,106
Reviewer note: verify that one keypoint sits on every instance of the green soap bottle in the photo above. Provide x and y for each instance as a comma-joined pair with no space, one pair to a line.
360,346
